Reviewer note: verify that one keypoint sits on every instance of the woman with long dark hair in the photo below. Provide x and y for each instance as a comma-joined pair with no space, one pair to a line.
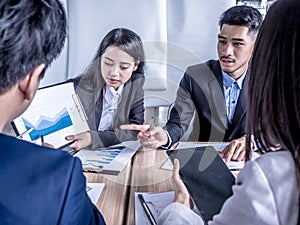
111,90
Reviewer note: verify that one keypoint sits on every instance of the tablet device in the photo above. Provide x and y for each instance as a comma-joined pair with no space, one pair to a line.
206,176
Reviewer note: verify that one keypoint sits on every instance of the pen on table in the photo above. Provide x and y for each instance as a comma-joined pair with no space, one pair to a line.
112,147
20,136
88,188
149,214
42,139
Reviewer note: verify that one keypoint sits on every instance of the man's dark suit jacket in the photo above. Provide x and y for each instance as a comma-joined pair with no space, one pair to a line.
130,108
201,91
45,186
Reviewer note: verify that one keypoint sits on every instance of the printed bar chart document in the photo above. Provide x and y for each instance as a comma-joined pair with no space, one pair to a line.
54,113
110,160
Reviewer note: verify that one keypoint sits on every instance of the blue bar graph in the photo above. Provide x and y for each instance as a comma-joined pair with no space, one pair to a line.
103,157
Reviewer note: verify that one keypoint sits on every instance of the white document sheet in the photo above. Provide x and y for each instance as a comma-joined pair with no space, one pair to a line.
156,203
94,190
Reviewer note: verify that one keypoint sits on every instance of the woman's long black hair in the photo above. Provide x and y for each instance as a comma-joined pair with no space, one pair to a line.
273,110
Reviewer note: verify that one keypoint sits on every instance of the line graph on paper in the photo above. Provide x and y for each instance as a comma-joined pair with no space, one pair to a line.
47,125
50,114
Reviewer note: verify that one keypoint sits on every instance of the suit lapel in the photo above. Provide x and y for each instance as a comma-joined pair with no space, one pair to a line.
217,93
98,109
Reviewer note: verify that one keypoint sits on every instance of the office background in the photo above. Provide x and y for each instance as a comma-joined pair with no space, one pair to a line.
176,33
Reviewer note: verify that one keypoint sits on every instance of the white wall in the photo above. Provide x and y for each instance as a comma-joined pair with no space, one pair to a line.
192,38
91,20
57,71
176,33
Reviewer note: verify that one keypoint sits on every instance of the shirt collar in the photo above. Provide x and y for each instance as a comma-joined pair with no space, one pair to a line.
110,92
228,80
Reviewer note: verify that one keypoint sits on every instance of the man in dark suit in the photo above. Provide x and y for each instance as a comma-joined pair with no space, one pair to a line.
214,91
39,185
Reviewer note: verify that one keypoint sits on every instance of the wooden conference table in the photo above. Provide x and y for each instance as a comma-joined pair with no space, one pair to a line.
142,174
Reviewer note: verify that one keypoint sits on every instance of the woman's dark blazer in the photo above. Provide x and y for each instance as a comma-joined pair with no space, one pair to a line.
130,109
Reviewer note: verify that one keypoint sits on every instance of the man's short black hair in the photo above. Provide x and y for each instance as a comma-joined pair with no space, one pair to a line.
31,32
242,15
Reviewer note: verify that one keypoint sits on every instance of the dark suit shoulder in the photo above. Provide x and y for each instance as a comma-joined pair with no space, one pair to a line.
210,64
203,72
138,79
75,80
24,149
136,75
87,82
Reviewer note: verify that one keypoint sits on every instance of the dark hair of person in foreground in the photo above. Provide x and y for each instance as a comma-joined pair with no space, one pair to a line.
274,86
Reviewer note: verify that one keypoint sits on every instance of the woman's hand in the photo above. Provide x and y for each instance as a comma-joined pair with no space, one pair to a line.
81,140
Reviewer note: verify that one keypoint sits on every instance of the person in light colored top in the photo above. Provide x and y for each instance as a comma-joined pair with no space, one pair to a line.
267,189
111,90
214,91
